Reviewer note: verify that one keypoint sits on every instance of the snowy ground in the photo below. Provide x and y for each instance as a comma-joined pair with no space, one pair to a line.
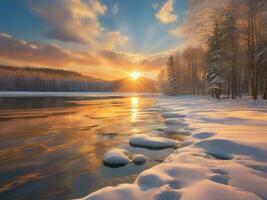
225,157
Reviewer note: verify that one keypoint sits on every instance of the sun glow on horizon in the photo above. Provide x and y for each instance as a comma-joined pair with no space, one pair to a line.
135,75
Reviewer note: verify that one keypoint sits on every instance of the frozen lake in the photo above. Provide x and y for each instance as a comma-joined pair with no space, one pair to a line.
52,144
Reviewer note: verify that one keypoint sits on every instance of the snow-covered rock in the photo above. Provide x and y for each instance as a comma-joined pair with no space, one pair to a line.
139,159
116,157
152,142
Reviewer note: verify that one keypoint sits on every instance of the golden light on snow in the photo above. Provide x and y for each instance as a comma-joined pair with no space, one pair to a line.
135,75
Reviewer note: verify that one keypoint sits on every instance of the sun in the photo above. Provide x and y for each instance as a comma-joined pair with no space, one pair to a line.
135,75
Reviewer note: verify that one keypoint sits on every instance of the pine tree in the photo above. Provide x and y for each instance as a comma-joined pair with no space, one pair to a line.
173,82
214,61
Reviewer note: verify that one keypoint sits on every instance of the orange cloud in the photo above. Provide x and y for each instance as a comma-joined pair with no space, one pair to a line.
165,14
70,20
112,40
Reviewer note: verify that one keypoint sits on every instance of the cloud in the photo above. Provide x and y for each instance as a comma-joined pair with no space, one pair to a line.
115,9
70,20
112,40
165,13
33,53
178,31
77,21
105,63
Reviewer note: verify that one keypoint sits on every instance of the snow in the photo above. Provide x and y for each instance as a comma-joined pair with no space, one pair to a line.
116,157
152,142
228,149
139,159
224,158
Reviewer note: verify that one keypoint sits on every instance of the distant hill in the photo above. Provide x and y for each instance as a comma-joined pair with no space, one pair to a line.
46,71
47,79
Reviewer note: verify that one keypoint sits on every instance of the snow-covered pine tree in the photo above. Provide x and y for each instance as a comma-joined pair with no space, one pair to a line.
214,61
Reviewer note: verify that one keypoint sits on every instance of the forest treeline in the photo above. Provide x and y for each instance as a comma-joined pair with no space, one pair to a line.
45,79
231,62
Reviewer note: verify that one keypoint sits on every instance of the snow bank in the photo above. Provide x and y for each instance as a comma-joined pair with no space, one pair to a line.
226,156
221,148
152,142
210,190
116,157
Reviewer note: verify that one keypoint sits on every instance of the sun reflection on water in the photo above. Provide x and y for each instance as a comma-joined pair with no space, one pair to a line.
135,102
134,106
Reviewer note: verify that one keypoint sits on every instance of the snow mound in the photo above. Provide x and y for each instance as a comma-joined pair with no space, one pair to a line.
152,142
210,190
190,178
171,174
121,192
139,159
226,149
116,158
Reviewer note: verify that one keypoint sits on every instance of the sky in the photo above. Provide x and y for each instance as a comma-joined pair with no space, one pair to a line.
102,38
